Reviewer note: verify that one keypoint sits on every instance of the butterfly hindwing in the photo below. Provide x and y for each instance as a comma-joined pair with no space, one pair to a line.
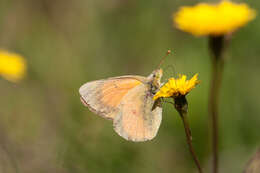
137,118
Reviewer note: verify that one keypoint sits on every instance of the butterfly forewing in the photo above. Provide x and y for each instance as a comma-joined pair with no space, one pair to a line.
103,96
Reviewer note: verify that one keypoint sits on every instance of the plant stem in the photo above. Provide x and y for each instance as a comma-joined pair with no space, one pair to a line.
181,106
189,138
216,47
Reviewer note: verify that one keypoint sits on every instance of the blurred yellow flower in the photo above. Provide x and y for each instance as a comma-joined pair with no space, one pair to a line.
213,19
177,87
12,66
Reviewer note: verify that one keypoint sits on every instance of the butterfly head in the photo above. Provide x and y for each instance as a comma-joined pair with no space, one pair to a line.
154,79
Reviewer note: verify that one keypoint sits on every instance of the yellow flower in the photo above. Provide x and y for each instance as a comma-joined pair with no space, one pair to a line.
213,19
177,87
12,66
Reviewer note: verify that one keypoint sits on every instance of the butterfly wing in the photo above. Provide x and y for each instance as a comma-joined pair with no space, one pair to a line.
138,119
103,96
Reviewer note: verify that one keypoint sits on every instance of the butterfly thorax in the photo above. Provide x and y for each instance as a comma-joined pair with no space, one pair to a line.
154,80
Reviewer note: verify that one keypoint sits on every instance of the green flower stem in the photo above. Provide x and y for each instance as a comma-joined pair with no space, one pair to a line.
216,48
181,106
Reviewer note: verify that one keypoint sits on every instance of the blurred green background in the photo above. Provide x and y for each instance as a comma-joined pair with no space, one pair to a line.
45,128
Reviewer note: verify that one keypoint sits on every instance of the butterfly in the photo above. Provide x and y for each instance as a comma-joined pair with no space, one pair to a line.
128,102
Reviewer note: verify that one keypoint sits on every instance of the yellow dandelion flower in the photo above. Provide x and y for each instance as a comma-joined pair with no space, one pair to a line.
177,87
213,19
12,66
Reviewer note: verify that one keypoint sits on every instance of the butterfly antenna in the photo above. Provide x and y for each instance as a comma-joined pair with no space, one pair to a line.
163,58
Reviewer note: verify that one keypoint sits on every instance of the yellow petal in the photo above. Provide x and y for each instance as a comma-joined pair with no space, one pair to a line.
213,19
176,87
12,66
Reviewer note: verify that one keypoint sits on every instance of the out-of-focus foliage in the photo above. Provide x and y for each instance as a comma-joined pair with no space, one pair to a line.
45,128
254,164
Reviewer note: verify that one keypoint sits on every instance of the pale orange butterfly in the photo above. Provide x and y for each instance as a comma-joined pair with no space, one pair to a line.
128,102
